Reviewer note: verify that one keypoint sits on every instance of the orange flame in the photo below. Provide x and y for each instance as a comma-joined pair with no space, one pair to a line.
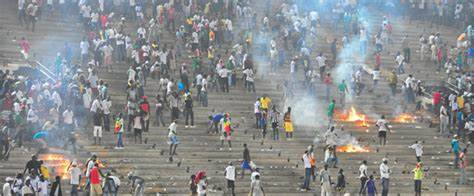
353,116
350,148
405,118
57,164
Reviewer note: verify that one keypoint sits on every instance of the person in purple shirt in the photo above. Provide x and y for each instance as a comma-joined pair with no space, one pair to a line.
370,185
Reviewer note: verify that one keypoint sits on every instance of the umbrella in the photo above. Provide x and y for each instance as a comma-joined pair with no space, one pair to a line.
40,134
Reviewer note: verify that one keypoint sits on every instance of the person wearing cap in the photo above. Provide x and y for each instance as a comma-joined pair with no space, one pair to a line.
229,174
8,187
418,177
75,174
385,175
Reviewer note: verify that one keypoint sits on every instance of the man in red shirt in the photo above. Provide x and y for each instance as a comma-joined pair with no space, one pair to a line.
94,176
436,101
328,83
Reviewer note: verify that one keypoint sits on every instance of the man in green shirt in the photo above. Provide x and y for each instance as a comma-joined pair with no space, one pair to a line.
417,177
331,107
342,89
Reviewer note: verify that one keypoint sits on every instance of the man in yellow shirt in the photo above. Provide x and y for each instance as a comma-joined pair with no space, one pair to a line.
265,102
417,177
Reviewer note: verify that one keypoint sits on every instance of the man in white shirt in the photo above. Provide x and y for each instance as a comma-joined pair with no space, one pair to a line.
230,177
7,187
84,45
418,147
68,119
363,177
382,125
443,120
249,79
307,171
223,74
106,105
385,175
75,174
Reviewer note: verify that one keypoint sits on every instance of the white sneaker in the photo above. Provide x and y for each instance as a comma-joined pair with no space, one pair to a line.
193,126
230,149
186,126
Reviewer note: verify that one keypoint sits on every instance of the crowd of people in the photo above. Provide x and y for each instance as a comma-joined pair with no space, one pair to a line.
213,48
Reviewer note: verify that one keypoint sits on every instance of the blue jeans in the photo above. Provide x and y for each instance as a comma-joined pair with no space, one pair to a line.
307,177
74,191
119,140
385,185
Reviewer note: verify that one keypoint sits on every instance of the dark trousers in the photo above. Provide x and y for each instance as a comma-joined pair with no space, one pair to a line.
224,84
407,54
417,187
188,113
106,122
362,190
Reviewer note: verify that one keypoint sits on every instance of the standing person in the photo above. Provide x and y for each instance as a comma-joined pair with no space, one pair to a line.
382,125
84,45
327,84
119,129
392,82
229,174
385,176
106,105
256,188
258,113
288,125
363,177
275,119
307,171
370,185
418,147
56,187
455,148
188,110
75,174
246,161
145,108
226,131
325,179
159,107
342,87
31,13
172,136
97,132
406,49
341,183
8,187
95,188
443,120
462,166
138,125
330,113
418,177
68,120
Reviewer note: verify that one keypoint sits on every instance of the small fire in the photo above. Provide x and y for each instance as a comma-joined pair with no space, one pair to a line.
405,118
57,164
350,148
353,116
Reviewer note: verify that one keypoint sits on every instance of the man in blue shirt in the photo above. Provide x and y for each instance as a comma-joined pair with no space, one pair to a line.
455,148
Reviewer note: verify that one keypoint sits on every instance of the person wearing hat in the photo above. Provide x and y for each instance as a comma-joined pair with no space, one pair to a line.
385,175
229,174
8,187
75,174
418,177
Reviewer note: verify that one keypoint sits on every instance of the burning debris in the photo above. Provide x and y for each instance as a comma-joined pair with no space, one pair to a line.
405,118
352,115
351,148
57,164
